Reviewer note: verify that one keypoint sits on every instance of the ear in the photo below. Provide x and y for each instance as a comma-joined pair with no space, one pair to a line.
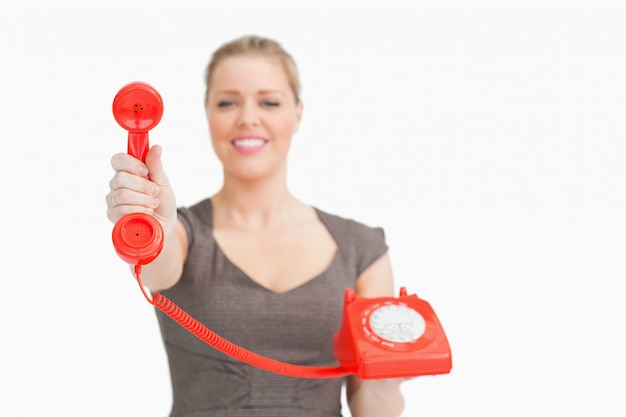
299,109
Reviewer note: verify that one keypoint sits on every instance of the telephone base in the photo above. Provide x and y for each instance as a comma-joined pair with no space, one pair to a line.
391,337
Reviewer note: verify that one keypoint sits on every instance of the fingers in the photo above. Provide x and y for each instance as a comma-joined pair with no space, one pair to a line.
115,212
123,181
123,200
130,189
133,191
127,163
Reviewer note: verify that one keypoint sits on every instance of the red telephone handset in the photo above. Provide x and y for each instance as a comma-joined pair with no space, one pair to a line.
138,107
379,338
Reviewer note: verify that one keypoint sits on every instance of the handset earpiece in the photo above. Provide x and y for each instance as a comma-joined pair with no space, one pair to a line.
138,107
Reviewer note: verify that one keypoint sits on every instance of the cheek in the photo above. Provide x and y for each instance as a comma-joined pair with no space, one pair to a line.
218,127
287,127
217,133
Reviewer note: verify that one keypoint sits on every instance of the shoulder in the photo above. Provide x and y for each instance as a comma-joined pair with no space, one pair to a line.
340,226
195,217
361,243
200,212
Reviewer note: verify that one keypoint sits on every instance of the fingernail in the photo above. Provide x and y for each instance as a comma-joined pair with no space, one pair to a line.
155,190
143,171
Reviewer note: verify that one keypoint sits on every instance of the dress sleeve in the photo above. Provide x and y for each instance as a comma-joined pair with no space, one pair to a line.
186,218
196,218
370,244
361,245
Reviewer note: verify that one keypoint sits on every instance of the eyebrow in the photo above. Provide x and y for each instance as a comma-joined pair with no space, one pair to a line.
260,92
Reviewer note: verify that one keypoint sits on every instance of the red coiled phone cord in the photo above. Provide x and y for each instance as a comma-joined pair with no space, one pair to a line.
208,336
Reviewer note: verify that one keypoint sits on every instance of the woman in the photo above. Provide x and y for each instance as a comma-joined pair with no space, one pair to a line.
252,262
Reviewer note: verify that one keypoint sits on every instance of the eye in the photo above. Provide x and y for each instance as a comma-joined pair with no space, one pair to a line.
269,103
225,103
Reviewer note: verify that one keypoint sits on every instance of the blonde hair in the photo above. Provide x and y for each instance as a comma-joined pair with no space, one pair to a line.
252,44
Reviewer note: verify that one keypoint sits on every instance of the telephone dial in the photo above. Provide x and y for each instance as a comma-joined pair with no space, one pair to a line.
384,337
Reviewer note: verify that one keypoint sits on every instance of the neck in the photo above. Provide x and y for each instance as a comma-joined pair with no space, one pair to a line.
254,204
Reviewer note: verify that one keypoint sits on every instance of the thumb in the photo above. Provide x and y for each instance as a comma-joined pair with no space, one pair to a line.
155,168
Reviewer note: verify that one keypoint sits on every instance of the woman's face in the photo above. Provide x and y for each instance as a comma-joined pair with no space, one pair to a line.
252,115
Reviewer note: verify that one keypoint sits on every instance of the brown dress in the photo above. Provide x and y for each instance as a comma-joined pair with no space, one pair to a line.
295,327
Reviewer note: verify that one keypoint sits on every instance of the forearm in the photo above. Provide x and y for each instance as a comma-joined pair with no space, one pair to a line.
372,398
166,269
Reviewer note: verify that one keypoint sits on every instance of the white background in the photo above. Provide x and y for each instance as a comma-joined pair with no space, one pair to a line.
486,137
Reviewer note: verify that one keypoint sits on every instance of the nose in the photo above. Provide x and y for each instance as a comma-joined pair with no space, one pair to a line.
248,114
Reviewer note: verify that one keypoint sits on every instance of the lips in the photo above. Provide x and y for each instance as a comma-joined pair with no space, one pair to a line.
248,144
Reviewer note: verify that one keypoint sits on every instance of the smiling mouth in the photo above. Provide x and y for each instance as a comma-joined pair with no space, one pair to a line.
249,142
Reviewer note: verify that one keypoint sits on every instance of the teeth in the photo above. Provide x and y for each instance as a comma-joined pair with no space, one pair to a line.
249,142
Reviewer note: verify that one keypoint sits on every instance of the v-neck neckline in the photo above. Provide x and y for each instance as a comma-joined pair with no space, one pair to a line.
303,284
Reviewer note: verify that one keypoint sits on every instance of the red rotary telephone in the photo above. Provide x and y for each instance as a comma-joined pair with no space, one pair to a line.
379,338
